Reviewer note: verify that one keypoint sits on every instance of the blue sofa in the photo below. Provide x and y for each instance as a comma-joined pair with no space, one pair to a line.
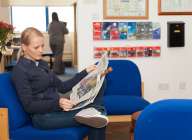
20,126
123,96
169,119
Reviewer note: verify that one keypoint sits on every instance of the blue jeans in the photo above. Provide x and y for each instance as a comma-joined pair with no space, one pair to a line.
65,119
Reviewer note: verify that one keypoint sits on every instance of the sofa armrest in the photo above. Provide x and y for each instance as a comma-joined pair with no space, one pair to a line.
165,120
4,127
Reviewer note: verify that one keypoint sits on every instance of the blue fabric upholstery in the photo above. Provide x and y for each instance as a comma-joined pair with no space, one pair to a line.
29,133
165,120
8,98
125,79
123,105
123,94
20,123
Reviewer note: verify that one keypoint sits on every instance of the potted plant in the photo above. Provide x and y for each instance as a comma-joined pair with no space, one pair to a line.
6,32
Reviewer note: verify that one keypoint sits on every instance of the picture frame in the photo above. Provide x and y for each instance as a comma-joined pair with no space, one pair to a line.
125,9
174,7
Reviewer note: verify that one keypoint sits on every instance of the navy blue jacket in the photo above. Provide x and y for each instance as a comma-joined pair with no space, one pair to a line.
38,87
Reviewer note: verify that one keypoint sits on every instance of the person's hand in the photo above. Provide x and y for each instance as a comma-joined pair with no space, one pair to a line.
65,104
91,68
108,70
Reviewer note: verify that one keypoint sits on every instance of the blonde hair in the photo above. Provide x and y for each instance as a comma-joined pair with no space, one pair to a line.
28,34
26,37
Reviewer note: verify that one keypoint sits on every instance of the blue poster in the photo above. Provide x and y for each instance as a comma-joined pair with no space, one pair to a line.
106,30
156,33
123,29
132,30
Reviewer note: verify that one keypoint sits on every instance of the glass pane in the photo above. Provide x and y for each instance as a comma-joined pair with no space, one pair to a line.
23,17
65,14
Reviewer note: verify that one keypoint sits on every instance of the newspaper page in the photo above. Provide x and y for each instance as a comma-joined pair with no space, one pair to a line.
87,89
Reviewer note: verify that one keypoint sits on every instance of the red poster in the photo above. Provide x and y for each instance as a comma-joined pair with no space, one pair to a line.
156,51
131,51
97,31
148,51
114,53
123,53
140,51
114,32
97,52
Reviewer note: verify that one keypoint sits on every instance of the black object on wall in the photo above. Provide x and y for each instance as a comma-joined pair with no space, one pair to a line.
176,34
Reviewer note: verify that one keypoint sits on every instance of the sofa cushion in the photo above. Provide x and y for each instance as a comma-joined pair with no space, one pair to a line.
8,99
30,133
124,105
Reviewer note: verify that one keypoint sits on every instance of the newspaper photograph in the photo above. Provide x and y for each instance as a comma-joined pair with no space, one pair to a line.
87,89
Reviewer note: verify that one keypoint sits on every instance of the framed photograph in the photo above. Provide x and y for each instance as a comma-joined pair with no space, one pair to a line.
174,7
125,9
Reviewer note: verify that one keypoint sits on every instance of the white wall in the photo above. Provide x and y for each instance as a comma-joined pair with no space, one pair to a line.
168,76
4,14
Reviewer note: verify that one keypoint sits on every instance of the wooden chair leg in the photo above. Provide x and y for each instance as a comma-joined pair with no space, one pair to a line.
134,117
4,128
132,126
86,138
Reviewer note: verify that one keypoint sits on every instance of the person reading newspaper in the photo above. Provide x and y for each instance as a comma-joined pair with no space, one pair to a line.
38,90
87,89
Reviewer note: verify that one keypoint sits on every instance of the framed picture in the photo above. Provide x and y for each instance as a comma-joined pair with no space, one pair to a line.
174,7
125,9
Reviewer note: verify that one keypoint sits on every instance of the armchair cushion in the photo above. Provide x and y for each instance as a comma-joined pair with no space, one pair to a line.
124,105
17,116
30,133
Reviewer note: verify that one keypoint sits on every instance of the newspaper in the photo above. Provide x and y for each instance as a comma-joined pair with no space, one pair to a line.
87,89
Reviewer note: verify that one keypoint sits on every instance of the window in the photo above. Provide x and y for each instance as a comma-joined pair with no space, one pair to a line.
35,16
23,17
65,14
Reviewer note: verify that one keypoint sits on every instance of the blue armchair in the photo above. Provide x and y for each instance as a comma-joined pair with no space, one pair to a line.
169,119
20,126
123,95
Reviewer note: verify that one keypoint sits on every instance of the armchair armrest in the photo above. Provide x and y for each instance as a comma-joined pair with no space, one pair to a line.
4,127
142,89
